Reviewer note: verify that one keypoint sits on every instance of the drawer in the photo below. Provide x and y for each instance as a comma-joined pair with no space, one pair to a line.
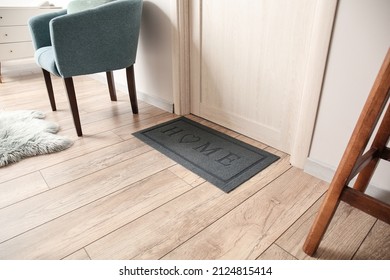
16,50
15,16
13,34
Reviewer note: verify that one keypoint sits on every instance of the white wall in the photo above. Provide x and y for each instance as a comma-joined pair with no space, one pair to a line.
360,41
153,67
33,3
58,3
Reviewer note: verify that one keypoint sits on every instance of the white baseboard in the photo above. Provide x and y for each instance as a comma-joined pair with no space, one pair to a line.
325,172
319,170
150,99
156,101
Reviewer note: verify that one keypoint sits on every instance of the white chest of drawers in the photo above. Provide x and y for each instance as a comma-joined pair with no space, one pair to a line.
15,38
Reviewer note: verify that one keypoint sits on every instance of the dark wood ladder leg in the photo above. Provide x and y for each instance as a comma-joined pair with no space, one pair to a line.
364,128
73,104
379,143
132,89
111,85
49,88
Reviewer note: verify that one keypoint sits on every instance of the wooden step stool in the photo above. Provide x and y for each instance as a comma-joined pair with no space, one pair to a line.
356,162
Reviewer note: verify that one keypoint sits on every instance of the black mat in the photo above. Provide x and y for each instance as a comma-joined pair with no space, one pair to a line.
220,159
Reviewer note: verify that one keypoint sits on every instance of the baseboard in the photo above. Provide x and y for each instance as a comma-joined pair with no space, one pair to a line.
150,99
319,170
156,101
325,172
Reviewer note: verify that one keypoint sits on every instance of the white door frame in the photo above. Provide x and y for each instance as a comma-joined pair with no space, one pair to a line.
308,101
315,71
180,13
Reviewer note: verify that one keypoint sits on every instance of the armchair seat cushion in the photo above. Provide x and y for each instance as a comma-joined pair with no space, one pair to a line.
44,57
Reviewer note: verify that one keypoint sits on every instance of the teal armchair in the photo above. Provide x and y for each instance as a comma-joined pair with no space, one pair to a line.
100,39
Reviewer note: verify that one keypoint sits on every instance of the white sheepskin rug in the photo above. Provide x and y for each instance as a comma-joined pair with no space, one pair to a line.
25,133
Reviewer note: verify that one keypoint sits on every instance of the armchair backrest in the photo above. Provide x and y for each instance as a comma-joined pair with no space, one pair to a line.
39,28
76,6
101,39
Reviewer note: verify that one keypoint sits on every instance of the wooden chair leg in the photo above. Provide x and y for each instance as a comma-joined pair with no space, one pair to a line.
132,89
111,85
73,104
346,170
49,88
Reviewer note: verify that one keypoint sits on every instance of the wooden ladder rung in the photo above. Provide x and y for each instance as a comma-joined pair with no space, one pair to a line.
385,154
363,161
366,203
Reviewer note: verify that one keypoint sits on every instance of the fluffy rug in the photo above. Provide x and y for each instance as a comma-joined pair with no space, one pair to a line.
25,133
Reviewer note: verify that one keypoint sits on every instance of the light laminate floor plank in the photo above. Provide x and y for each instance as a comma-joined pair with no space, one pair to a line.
51,204
249,229
342,239
120,203
76,168
274,252
376,246
62,236
80,147
21,188
78,255
159,232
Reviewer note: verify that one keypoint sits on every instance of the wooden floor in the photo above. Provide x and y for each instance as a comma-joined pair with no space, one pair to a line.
112,197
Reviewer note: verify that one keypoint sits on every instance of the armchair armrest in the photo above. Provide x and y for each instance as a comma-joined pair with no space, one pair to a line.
39,28
96,40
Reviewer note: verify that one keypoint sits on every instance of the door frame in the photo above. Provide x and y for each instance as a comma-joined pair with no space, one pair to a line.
315,72
186,21
180,16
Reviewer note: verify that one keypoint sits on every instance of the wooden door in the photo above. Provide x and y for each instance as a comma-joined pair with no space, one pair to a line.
254,64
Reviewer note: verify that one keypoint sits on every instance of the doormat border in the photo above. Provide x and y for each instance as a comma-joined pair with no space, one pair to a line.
225,185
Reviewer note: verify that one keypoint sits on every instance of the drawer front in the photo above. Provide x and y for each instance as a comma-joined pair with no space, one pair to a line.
13,34
20,16
16,50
